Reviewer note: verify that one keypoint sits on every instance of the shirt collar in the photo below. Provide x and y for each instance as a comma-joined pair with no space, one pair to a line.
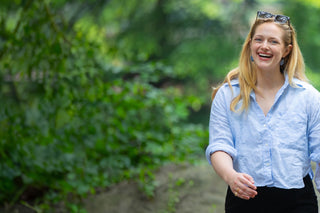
297,82
234,82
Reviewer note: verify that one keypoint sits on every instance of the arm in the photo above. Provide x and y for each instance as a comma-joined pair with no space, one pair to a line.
221,144
242,185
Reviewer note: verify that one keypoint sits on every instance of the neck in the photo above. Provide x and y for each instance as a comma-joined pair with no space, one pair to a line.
269,80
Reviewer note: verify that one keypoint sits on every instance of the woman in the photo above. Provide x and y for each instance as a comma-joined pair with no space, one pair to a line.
265,124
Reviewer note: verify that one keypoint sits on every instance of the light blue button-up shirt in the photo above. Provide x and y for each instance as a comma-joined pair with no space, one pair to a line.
275,149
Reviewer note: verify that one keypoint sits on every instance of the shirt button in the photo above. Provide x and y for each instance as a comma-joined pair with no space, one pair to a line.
264,125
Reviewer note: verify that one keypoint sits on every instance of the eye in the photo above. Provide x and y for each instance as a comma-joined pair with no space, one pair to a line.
258,39
274,42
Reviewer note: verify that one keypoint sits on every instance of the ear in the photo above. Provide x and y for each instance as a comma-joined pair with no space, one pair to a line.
288,50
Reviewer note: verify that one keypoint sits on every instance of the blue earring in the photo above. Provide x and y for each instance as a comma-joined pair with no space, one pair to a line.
251,58
282,62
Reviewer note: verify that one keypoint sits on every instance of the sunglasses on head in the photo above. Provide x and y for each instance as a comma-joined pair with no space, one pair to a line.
281,19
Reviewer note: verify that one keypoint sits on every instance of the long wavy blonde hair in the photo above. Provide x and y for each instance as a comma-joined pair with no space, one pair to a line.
246,72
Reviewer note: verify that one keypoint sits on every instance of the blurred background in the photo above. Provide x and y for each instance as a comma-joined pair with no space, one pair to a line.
94,93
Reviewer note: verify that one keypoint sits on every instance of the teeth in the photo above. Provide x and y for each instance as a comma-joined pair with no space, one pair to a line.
265,55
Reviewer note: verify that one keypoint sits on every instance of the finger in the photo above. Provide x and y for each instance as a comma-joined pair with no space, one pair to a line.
247,188
238,190
249,178
244,196
249,192
241,195
248,181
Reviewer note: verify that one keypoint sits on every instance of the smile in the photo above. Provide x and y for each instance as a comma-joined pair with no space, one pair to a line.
265,55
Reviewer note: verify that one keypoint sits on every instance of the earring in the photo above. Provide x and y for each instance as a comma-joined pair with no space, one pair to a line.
282,62
251,58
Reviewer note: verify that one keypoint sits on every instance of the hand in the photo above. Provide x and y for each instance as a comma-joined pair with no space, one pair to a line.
242,185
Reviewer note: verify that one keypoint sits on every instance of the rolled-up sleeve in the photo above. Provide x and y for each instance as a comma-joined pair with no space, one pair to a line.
220,134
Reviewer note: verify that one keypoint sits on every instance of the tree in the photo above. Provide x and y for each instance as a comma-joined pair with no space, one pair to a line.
72,119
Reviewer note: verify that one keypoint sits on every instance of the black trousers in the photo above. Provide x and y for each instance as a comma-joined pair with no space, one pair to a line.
275,200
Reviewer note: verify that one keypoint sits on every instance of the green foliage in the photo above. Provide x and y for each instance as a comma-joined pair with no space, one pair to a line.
192,36
74,119
307,31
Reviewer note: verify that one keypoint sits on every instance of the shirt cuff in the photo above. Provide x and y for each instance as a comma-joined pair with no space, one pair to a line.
212,149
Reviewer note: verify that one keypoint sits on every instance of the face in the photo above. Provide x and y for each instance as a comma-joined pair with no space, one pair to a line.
267,46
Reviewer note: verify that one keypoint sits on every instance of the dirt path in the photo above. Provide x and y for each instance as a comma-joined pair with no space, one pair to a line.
180,189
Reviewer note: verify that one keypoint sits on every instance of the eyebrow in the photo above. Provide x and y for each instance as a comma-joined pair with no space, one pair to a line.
268,37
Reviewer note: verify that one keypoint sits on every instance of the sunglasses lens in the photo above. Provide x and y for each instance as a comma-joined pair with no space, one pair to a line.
264,15
281,19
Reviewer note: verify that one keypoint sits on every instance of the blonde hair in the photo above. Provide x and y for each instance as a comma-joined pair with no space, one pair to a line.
246,71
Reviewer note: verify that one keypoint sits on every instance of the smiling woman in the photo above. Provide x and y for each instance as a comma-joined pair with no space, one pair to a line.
268,51
254,145
267,45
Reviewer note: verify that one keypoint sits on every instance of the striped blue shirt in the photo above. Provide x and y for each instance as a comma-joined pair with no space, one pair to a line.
276,149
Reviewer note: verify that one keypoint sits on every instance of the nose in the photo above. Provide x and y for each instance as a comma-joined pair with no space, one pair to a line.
265,44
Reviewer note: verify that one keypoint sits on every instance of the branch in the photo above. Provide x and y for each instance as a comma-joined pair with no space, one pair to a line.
54,25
